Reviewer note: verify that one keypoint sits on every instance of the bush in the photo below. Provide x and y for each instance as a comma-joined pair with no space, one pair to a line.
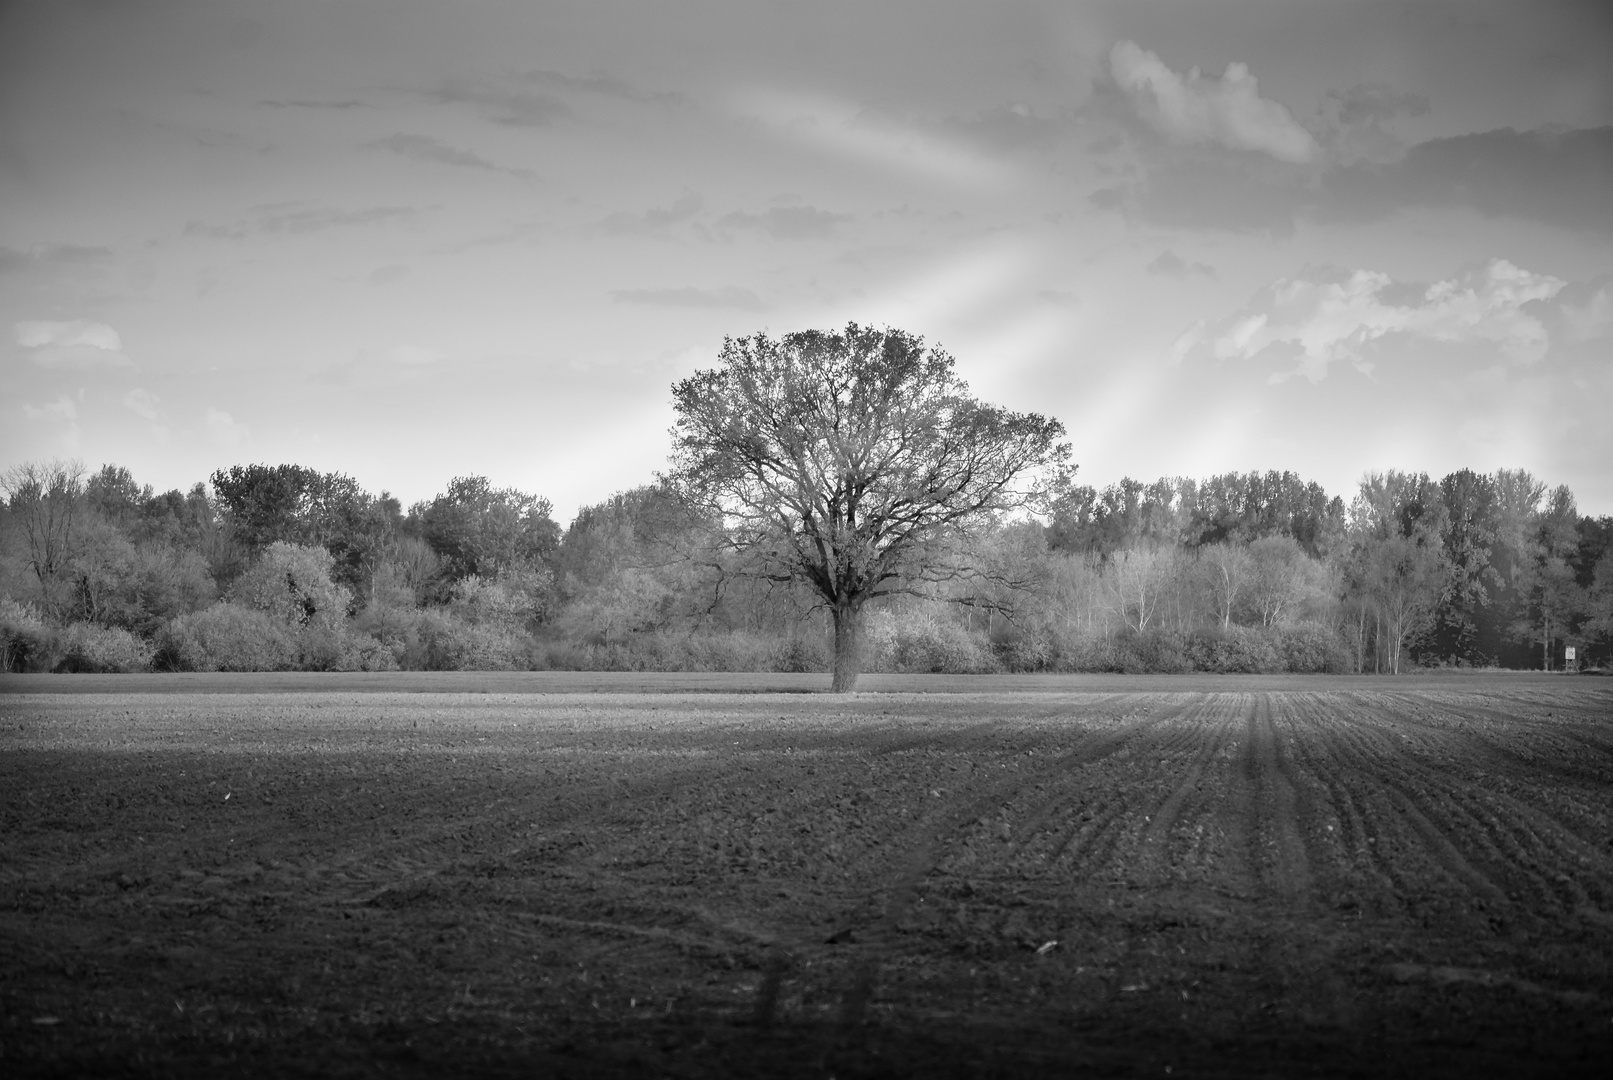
86,647
1160,651
920,642
800,653
1236,649
292,583
734,650
447,643
1312,647
226,637
25,640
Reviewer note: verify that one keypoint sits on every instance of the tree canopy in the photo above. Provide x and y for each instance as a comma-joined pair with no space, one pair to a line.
854,461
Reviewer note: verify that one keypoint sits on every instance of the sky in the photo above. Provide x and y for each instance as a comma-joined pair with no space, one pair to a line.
408,240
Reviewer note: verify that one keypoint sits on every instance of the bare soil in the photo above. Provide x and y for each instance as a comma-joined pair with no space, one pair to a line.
1203,876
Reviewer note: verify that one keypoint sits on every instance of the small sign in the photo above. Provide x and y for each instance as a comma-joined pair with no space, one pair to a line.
1568,653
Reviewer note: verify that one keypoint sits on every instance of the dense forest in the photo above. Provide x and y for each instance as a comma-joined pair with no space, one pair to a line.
282,567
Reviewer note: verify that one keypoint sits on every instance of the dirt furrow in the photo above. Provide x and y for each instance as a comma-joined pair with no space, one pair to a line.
1544,864
1103,816
1349,858
1549,749
1211,727
1270,810
926,845
1428,817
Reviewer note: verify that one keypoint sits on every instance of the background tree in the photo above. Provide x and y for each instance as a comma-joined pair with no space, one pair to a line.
481,530
1224,569
1457,634
45,500
1396,563
854,461
1278,576
1556,598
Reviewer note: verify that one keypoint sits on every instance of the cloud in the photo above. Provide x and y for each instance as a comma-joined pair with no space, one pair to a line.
1352,123
1197,109
1325,315
654,220
69,256
1560,177
34,335
1372,103
1557,177
426,148
224,429
512,108
688,296
785,222
62,410
142,403
78,343
1169,264
1586,310
1213,188
298,218
389,274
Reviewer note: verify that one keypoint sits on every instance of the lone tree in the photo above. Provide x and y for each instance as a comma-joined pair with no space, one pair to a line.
853,461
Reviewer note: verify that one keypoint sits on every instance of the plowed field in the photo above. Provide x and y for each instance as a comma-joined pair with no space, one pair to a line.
1187,877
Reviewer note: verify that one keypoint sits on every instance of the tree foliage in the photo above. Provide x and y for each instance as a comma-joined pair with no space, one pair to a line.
854,461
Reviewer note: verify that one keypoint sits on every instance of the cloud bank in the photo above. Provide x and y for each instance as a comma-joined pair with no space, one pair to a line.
1325,315
1196,108
77,343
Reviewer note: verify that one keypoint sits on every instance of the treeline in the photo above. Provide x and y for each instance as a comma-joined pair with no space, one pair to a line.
283,567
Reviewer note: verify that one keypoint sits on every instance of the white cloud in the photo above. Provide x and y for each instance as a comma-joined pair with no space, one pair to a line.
224,429
142,403
78,343
1329,315
62,410
1593,318
1198,108
38,334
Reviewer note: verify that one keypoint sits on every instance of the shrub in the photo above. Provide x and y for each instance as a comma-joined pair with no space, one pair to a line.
1236,649
734,650
292,583
920,642
1312,647
448,643
387,636
86,647
25,640
802,653
1160,651
226,637
934,646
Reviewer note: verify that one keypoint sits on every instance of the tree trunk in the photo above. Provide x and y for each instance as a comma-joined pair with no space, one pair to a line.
1361,642
848,620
